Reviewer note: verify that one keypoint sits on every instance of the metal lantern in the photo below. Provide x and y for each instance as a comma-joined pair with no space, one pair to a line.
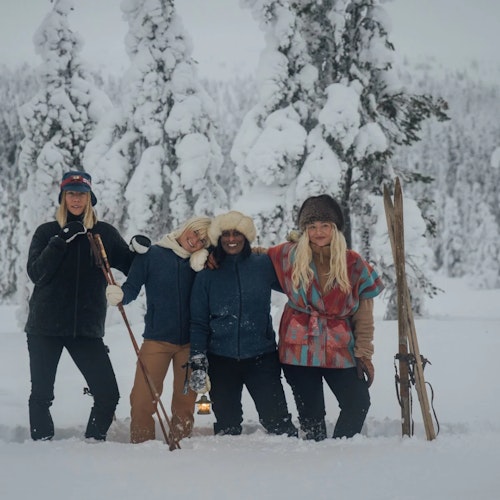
203,405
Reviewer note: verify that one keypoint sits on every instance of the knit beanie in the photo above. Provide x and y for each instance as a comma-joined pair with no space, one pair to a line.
232,220
320,208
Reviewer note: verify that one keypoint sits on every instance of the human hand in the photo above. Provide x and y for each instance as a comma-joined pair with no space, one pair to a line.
259,250
365,368
71,230
211,262
114,295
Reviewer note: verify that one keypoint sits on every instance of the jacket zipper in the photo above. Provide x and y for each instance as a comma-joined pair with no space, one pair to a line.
239,311
179,296
77,282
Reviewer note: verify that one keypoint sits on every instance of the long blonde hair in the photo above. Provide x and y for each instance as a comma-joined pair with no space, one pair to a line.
89,216
302,273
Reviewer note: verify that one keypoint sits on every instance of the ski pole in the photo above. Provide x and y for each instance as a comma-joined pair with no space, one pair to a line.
102,260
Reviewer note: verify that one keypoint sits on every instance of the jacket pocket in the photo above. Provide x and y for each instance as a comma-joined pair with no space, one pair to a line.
338,337
298,330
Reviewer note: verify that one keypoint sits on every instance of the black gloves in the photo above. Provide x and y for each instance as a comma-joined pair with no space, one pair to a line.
71,230
139,243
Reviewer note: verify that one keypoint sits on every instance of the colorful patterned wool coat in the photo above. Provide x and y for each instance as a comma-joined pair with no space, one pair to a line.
315,329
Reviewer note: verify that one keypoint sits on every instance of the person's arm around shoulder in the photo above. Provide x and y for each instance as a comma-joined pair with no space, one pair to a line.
259,250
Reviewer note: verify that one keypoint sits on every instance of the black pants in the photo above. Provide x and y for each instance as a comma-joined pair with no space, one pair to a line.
91,357
262,377
351,393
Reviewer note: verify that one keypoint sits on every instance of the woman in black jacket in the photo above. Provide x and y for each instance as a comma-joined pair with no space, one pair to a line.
67,308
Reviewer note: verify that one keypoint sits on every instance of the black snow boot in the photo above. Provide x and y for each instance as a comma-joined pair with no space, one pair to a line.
313,429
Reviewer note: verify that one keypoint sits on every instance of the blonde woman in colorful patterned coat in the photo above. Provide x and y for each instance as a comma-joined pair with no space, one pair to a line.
326,330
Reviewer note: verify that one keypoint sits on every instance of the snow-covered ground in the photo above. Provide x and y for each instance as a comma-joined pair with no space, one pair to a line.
460,337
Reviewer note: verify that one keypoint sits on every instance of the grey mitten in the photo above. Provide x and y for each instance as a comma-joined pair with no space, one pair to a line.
199,381
71,230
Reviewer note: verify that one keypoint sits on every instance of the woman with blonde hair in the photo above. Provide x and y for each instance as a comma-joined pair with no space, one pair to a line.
67,308
326,330
167,272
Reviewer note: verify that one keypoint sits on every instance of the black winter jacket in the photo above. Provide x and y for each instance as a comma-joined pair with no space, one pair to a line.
69,298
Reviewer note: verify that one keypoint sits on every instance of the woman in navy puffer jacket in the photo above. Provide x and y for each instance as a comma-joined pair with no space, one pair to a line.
232,333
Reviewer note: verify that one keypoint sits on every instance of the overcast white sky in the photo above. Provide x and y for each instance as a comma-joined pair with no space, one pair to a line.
226,37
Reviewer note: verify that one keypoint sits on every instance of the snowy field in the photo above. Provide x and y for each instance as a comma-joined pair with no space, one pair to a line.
460,337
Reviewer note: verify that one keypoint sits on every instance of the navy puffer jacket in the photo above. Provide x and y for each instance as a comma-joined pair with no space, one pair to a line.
230,308
69,298
168,279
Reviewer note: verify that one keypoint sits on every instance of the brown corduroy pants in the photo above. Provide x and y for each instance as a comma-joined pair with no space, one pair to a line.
156,357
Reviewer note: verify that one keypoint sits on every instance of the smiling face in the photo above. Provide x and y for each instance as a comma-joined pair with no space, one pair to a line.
76,202
232,241
190,240
320,233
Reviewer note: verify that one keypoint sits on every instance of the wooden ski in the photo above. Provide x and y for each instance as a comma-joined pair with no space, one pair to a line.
407,335
404,376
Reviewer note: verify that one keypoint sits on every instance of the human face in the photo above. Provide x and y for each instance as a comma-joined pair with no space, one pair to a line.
190,240
76,202
320,233
232,241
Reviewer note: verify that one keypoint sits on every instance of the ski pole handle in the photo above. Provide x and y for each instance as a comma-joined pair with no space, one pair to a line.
104,257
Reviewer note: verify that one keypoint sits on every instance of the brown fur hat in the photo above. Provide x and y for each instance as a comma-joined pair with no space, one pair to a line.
232,220
320,208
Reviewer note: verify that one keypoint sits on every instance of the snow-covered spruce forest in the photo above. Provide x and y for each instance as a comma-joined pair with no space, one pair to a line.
331,108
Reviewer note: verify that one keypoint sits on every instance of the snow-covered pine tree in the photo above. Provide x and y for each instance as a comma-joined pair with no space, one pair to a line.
463,196
482,249
233,98
57,123
450,256
270,146
331,112
156,157
8,209
15,87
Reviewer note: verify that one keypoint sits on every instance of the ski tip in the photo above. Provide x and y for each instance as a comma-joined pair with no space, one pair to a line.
397,185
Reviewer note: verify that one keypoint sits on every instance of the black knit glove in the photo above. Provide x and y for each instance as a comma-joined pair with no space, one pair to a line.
71,230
